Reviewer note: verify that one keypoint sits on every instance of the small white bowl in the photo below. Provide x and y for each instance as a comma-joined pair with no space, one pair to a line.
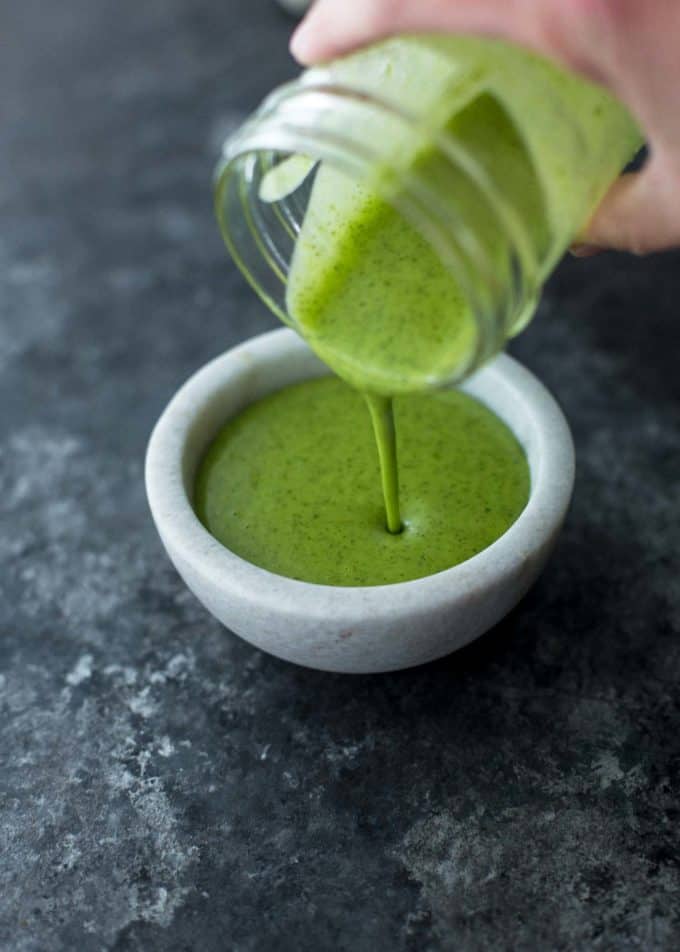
380,628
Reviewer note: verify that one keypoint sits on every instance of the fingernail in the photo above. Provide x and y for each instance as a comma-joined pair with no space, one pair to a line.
585,251
299,42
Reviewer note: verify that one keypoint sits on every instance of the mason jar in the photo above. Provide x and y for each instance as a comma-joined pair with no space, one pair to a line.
490,160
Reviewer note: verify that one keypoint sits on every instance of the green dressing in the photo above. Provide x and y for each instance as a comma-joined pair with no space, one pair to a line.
292,484
371,295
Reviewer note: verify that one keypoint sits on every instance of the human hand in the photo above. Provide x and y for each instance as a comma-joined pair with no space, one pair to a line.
632,48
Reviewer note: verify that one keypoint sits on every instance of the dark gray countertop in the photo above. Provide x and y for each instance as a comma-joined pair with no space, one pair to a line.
162,784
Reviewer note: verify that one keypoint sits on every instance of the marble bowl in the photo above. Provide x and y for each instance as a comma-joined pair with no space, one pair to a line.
370,629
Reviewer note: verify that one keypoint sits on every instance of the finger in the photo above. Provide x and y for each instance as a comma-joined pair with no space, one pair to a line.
640,213
333,27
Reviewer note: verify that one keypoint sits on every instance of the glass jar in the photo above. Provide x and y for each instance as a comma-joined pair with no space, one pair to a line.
402,207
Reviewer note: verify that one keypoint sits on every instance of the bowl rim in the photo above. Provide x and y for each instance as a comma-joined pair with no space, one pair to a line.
185,537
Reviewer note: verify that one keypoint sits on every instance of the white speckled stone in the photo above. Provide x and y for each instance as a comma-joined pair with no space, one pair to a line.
373,629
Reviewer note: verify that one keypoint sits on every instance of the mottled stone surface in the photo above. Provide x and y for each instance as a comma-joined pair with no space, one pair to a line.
163,785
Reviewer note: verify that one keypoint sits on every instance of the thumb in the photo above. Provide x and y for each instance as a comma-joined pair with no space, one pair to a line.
640,213
334,27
